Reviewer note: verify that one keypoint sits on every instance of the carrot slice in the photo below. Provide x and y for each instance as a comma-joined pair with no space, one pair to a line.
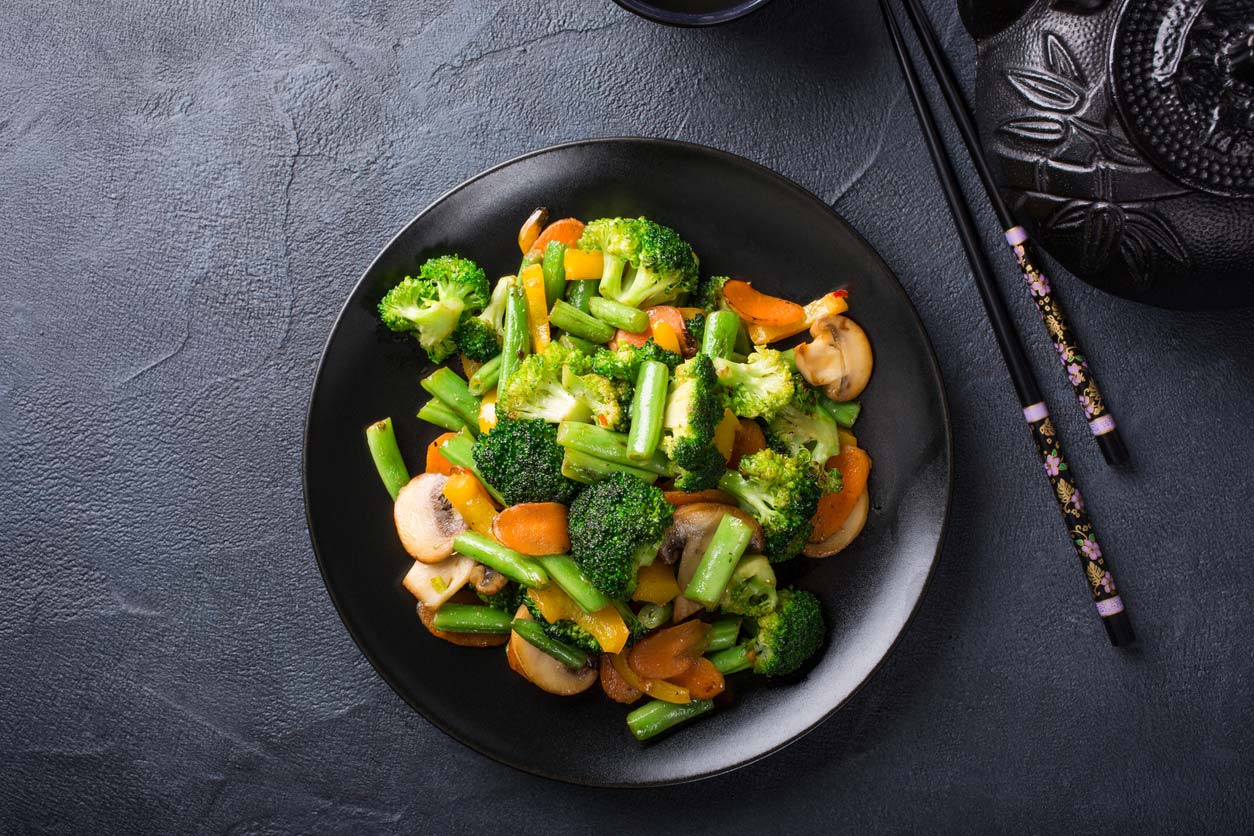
628,338
757,308
749,440
703,680
534,528
613,684
567,231
678,498
834,508
671,652
436,463
659,689
829,304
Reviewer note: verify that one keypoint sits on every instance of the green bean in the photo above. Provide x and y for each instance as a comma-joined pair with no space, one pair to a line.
587,469
647,409
728,544
381,439
571,657
577,344
513,565
721,328
845,413
516,342
451,388
569,318
484,380
607,445
653,718
436,412
554,266
733,659
581,291
619,315
566,574
469,618
723,634
653,616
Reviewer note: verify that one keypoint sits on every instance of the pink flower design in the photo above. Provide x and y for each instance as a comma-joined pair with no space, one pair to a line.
1077,500
1064,355
1053,464
1108,582
1076,373
1090,549
1038,283
1087,403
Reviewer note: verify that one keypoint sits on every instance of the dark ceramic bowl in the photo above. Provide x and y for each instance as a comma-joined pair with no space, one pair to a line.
741,219
692,12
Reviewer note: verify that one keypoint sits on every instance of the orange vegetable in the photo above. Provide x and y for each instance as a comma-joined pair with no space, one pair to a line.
829,304
567,231
471,500
659,689
534,528
834,508
678,498
583,264
628,338
613,684
725,434
689,313
671,652
666,337
703,680
758,308
749,440
670,316
656,584
847,439
530,230
532,278
436,463
469,367
606,625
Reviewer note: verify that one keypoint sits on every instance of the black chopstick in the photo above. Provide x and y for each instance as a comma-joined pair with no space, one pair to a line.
1074,361
1080,528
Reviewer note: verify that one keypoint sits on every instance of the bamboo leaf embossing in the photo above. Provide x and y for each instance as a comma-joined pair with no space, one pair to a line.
1060,60
1048,91
1044,129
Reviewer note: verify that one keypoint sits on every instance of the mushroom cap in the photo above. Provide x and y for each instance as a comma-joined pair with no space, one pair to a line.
425,520
435,583
844,535
839,360
541,669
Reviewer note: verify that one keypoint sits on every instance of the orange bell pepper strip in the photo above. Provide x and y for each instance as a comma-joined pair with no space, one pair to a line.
471,500
829,304
703,680
664,335
532,278
757,308
834,508
567,231
725,434
606,625
659,689
436,463
533,528
583,264
656,584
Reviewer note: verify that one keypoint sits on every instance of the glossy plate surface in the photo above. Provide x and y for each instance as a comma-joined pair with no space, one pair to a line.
744,220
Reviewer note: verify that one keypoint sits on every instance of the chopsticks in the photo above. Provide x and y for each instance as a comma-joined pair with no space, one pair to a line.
1080,529
1075,366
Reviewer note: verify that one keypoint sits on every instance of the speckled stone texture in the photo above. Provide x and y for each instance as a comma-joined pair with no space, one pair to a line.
190,190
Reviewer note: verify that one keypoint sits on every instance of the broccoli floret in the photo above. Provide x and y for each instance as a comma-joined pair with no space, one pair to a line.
693,409
523,461
782,493
565,630
790,635
759,387
636,631
647,263
479,337
751,590
613,524
432,304
709,295
507,599
624,362
550,388
803,425
696,328
704,473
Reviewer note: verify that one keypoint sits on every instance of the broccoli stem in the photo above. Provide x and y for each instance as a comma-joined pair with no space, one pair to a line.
449,387
554,266
608,445
574,321
619,315
459,450
648,407
485,379
587,469
580,292
515,339
653,616
578,344
723,634
436,412
653,718
469,618
571,657
513,565
730,540
733,659
844,413
381,439
721,328
566,574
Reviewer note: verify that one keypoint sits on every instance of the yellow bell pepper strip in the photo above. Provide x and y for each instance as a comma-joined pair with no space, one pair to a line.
659,689
606,625
470,499
530,230
725,434
664,335
487,411
847,439
583,264
829,304
532,278
656,584
469,367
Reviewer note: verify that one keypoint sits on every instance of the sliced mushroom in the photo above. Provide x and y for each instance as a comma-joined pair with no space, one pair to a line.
542,670
435,583
839,360
844,535
427,616
689,536
425,520
487,580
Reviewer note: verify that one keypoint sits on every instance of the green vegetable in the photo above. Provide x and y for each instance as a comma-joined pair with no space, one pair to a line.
845,413
612,524
431,305
468,618
607,445
522,460
571,657
635,628
587,469
721,328
566,574
751,590
782,493
729,542
569,318
804,426
565,630
507,600
436,412
723,634
733,659
624,362
548,387
554,266
619,315
695,325
579,293
459,450
693,409
479,337
790,635
709,294
645,263
513,565
381,439
648,408
759,387
485,378
516,339
452,390
653,718
652,616
577,344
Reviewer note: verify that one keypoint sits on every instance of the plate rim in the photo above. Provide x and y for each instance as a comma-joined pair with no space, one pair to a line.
735,160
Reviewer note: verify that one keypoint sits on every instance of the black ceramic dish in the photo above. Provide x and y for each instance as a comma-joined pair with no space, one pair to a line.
692,12
742,219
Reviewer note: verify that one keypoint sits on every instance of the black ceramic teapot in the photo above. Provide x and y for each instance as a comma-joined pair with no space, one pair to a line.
1122,136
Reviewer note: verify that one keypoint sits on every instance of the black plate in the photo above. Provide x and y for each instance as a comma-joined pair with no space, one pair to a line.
692,12
744,220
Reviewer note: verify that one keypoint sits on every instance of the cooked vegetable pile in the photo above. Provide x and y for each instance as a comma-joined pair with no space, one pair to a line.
627,460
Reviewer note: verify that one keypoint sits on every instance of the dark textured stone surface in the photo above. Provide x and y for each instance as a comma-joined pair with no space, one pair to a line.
190,190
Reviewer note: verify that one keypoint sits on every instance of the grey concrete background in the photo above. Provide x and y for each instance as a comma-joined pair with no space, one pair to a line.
189,191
